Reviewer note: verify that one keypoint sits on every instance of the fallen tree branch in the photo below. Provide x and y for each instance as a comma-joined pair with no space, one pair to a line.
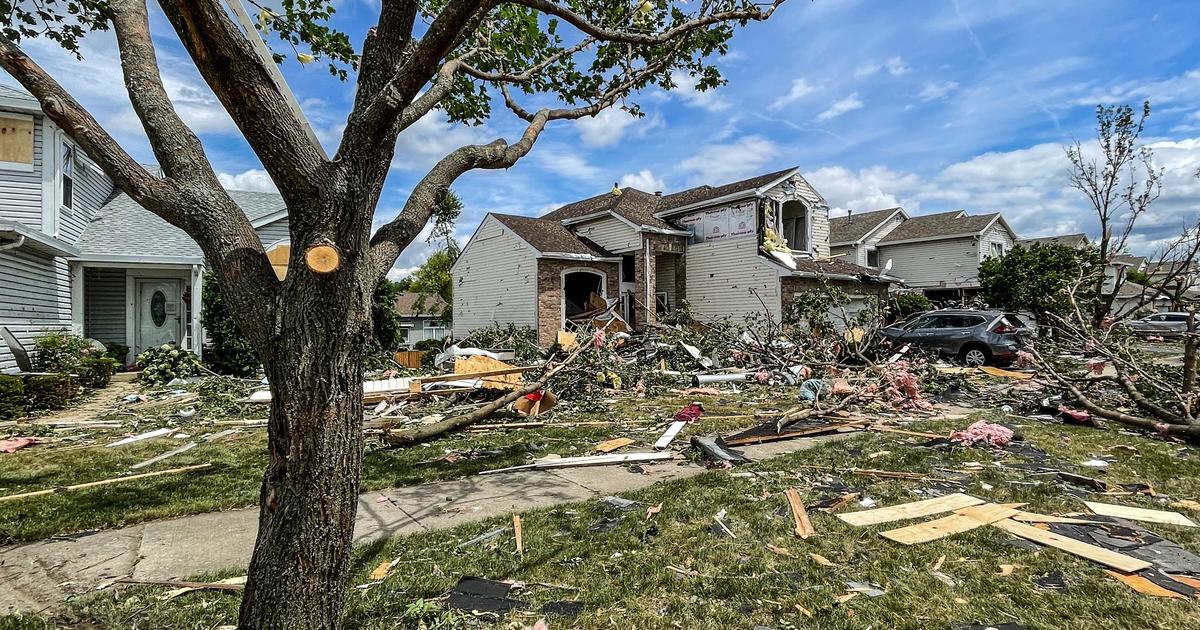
422,433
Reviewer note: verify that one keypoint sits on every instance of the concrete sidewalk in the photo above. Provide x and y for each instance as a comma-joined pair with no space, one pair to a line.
40,576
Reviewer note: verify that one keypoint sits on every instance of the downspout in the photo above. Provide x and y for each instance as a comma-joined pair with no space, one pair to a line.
649,261
13,245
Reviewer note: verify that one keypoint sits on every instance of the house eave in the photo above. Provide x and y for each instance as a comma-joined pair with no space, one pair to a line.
36,240
8,103
95,259
926,239
579,257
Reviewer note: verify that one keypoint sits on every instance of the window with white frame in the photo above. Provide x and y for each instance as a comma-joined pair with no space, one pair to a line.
872,257
997,250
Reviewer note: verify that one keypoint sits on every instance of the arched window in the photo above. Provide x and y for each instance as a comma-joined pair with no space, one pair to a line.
583,292
795,225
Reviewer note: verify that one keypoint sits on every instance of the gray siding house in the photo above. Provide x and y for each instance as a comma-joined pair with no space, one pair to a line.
717,248
422,316
938,254
77,254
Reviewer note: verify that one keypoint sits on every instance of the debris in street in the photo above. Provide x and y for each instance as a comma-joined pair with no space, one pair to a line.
1094,553
171,453
519,535
804,527
962,520
609,446
482,596
488,535
983,433
714,449
12,445
104,482
589,460
143,436
916,509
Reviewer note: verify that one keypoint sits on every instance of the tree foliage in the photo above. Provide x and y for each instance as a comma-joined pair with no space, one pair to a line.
1035,278
227,350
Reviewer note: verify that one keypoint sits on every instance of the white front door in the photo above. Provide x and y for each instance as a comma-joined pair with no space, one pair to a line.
159,315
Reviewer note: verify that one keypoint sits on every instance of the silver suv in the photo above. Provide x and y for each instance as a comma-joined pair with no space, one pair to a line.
974,337
1164,324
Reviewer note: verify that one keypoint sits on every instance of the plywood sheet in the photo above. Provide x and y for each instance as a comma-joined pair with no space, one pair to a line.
1140,514
1118,561
916,509
466,366
16,140
962,520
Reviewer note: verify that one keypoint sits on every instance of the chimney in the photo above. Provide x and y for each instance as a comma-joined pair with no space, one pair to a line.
658,193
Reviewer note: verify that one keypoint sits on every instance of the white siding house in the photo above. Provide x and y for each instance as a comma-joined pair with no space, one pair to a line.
495,280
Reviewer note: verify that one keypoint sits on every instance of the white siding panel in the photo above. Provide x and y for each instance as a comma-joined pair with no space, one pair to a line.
21,192
273,232
35,296
495,281
995,234
721,276
931,264
611,234
92,188
104,305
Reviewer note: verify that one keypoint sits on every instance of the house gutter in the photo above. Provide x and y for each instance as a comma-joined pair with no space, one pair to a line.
583,257
13,245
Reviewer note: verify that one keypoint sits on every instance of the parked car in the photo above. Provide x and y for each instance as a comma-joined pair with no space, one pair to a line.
1172,324
975,337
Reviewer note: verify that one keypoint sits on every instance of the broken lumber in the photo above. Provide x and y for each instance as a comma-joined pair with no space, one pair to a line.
609,446
104,482
143,436
804,527
916,509
485,368
589,460
960,521
224,585
1140,514
425,432
669,435
817,430
1118,561
158,458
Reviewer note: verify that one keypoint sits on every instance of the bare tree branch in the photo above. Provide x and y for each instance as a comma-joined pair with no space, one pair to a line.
601,33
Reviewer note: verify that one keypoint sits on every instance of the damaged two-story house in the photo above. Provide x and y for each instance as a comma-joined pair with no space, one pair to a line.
78,254
728,251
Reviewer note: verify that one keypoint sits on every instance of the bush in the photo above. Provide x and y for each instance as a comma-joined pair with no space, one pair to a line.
12,397
117,351
226,350
165,363
49,391
905,304
96,371
59,351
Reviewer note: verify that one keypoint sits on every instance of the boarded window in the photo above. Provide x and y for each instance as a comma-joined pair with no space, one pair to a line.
16,142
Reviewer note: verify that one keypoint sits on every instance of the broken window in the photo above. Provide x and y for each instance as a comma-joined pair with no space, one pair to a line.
583,294
997,250
873,257
16,142
67,177
795,225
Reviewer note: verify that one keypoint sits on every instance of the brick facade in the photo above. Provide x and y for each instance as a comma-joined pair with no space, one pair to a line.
549,291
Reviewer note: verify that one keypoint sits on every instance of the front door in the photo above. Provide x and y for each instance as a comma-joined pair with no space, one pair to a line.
159,312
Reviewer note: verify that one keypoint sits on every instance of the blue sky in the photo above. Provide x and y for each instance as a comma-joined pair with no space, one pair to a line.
929,104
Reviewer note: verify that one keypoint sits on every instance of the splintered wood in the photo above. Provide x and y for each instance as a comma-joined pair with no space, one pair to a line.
1140,514
916,509
804,527
1118,561
493,373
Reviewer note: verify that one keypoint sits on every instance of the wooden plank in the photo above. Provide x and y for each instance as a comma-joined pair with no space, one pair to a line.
804,527
16,140
568,340
495,374
1140,514
104,482
825,428
669,435
609,446
1112,559
962,520
1031,517
593,460
1144,585
1002,373
519,535
158,458
916,509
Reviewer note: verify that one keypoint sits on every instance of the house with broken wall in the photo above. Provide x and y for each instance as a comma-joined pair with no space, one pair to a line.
77,254
727,251
937,254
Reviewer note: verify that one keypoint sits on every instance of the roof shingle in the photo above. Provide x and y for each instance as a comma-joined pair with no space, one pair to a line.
549,236
432,305
941,225
852,228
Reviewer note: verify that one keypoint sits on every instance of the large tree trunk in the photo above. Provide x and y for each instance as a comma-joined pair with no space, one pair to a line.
313,360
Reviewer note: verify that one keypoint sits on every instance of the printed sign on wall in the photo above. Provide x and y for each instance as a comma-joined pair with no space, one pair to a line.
720,224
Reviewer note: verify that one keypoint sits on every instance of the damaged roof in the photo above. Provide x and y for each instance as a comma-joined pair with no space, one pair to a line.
641,207
836,267
548,236
855,227
941,225
1070,240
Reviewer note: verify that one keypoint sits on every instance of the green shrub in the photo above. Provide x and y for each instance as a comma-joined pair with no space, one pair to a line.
118,352
49,391
96,371
905,304
162,364
226,350
58,351
12,397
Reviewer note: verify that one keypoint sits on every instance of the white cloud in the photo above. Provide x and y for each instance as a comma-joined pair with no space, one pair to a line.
685,89
644,180
800,88
430,139
720,163
935,91
838,108
896,66
873,188
611,125
566,161
255,179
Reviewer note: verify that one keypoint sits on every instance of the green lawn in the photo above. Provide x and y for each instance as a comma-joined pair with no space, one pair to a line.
623,579
238,461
